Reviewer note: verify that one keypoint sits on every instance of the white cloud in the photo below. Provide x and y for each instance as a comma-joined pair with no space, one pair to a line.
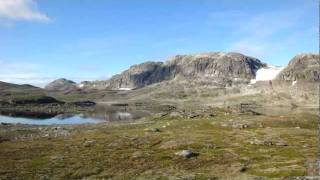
259,34
21,10
264,25
249,47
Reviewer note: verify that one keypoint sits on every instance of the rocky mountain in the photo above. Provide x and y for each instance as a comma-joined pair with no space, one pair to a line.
219,69
61,85
224,69
303,67
214,69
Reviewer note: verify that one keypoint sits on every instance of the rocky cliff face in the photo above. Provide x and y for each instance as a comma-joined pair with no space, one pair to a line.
209,68
61,85
303,67
219,68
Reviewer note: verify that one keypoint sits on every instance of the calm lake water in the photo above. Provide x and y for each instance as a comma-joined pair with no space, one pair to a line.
100,115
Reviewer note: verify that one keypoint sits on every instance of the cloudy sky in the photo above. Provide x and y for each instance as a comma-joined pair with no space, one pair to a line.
41,40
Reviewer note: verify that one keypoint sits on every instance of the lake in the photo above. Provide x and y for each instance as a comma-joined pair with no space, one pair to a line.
101,114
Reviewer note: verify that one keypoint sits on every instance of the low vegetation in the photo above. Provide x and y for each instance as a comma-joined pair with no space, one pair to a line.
227,145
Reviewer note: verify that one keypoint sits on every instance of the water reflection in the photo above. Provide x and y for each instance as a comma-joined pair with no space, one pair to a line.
100,114
28,114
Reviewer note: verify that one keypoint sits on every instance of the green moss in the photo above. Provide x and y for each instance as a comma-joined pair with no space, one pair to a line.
123,151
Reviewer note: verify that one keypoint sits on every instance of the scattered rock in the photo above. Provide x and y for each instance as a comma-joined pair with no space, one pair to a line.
186,153
211,115
139,155
281,143
153,130
89,143
193,115
268,142
224,125
2,139
260,125
57,157
251,112
240,126
160,115
57,128
243,168
113,144
260,142
175,115
210,146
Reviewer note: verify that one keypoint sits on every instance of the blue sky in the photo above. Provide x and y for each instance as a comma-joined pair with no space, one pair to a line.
41,40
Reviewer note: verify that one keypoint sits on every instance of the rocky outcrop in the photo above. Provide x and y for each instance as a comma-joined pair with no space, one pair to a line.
224,69
221,69
303,67
61,85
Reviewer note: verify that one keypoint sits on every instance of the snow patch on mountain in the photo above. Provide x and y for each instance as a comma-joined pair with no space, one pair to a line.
125,89
267,73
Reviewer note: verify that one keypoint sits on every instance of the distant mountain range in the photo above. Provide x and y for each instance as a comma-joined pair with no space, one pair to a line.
211,78
210,69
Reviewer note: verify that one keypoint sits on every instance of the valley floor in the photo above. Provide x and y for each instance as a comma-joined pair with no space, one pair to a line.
226,145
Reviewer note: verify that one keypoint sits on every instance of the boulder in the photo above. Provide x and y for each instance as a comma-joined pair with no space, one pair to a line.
186,153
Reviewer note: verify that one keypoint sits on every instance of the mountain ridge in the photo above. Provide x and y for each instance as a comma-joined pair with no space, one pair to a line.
215,68
212,68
